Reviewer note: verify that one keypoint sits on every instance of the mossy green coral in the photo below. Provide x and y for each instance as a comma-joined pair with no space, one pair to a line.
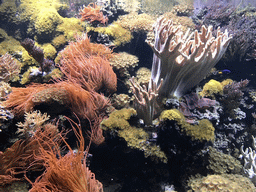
70,27
214,87
135,137
204,131
49,51
220,163
120,35
47,20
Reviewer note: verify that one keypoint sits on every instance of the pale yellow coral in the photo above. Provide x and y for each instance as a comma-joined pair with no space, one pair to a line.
135,22
123,62
33,121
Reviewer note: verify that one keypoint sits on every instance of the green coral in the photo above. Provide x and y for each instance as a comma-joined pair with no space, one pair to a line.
203,131
70,27
120,35
220,163
9,44
44,20
213,88
136,138
49,51
47,20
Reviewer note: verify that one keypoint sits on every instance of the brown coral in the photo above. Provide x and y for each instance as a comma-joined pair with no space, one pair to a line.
9,68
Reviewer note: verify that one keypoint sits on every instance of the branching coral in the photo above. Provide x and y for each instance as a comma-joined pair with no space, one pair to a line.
232,95
145,101
33,121
87,64
92,14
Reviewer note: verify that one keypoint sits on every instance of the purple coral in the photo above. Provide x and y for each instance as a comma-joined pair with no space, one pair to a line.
38,54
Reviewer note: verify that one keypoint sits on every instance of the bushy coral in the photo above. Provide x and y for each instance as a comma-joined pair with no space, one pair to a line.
213,88
232,95
33,121
134,22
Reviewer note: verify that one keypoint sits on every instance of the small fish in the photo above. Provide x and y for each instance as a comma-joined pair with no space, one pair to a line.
221,72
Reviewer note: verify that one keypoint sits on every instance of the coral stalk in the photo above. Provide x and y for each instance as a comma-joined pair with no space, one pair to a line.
183,60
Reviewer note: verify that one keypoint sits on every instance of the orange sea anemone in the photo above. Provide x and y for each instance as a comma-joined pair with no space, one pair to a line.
19,157
85,104
68,173
87,64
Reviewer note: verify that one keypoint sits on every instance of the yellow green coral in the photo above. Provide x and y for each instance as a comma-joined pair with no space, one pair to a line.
70,27
213,88
204,131
121,36
135,137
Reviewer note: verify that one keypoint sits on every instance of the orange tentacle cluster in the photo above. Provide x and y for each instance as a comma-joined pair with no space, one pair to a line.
87,64
92,13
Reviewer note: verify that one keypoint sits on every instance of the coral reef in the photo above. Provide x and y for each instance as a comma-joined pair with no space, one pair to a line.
66,173
135,22
232,95
38,54
204,131
116,34
213,88
19,157
220,163
249,157
184,62
87,105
